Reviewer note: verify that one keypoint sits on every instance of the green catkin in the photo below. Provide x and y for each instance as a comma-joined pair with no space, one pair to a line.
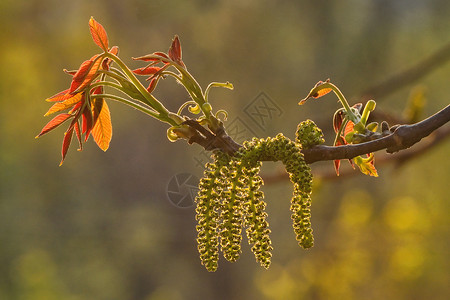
231,214
257,227
230,197
300,175
208,204
308,134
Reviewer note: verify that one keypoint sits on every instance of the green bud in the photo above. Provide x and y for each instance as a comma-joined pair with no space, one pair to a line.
206,107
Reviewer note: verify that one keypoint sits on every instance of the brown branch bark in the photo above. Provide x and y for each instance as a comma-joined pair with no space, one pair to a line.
402,138
397,160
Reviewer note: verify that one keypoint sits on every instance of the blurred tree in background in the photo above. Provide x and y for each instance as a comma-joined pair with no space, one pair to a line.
102,227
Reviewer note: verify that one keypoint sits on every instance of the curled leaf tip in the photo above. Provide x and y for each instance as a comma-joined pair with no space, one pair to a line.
320,89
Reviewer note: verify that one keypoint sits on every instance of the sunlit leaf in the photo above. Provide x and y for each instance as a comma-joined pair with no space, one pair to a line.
65,104
98,34
320,89
348,127
55,122
156,56
175,49
102,130
338,118
87,122
61,96
321,93
337,164
66,143
85,74
151,87
147,70
78,135
114,50
366,165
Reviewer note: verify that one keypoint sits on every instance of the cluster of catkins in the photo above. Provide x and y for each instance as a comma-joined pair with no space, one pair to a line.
230,198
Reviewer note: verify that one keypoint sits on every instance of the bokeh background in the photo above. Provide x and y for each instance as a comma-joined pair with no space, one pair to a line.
102,226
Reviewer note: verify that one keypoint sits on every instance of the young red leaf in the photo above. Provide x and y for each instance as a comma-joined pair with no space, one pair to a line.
87,122
320,89
348,128
102,130
337,164
78,134
175,49
59,106
321,93
98,34
175,52
66,143
338,118
55,122
61,96
80,75
85,74
156,56
151,87
147,70
114,50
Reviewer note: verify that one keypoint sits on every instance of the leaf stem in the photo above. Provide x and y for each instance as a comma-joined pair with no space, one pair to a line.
163,113
130,103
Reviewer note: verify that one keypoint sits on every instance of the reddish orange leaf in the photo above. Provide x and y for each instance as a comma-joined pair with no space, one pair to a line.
102,130
337,164
85,74
175,49
156,56
80,75
98,34
114,50
321,93
348,128
66,143
74,99
61,96
147,70
151,87
78,134
87,122
338,118
55,122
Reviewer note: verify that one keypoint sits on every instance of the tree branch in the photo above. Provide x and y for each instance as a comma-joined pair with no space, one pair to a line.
403,137
398,159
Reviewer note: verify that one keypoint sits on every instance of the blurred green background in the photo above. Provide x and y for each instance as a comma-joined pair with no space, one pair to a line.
102,226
